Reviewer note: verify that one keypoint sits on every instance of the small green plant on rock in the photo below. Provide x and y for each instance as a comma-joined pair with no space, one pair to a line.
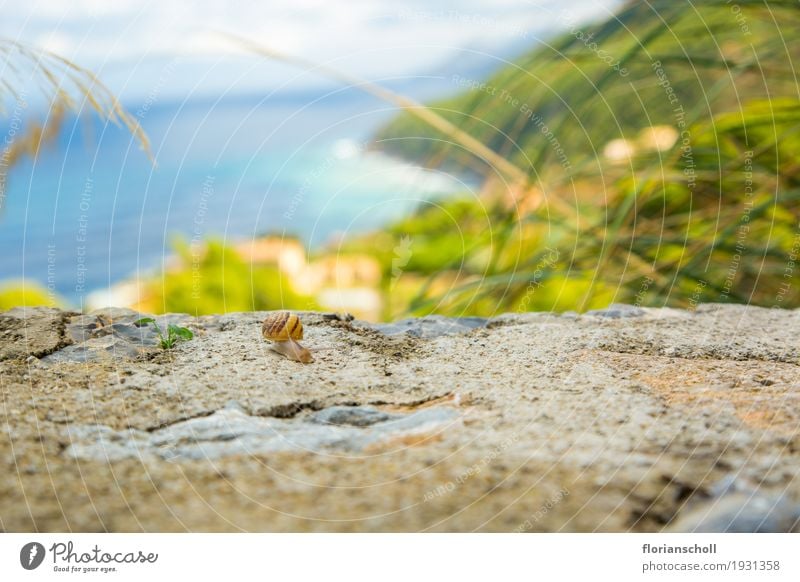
175,333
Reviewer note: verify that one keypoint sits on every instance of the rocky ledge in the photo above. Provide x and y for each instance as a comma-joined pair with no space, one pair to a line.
625,419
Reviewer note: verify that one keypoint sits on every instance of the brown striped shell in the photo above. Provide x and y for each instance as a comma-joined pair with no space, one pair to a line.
282,326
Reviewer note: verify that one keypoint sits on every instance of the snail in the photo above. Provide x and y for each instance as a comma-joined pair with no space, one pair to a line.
283,329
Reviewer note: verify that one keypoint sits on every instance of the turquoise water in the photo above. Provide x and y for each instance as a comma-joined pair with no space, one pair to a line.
92,209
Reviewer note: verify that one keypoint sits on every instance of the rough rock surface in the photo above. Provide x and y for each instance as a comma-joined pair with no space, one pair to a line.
626,419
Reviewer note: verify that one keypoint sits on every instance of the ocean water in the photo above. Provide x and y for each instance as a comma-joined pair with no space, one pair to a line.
92,210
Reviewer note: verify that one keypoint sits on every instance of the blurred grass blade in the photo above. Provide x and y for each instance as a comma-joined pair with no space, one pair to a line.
424,113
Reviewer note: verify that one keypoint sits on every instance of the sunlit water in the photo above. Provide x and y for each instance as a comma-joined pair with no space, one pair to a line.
92,209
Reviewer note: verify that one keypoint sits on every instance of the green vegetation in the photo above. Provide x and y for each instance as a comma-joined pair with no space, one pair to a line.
709,214
710,62
649,159
215,279
175,333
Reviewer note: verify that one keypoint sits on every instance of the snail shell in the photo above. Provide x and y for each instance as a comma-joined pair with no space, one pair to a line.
283,329
282,326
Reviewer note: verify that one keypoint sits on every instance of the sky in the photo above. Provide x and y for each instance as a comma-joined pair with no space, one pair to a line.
138,47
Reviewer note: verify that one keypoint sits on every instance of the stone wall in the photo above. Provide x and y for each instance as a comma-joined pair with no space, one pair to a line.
625,419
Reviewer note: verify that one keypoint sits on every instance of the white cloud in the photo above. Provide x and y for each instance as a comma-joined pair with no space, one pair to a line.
370,37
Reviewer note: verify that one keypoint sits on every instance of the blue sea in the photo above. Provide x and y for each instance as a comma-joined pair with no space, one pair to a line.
92,209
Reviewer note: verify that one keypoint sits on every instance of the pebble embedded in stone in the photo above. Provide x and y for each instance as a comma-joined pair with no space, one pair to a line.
617,311
432,326
232,431
741,513
351,415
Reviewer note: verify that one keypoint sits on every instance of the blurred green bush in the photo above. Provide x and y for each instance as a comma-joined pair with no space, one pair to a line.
217,280
19,294
671,184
